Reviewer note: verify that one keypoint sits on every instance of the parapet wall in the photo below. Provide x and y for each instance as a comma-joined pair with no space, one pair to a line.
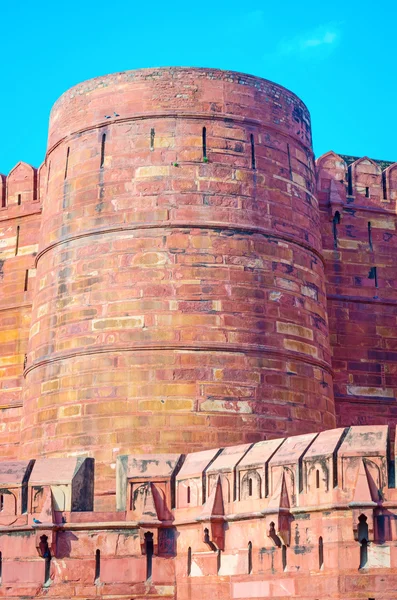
358,206
307,517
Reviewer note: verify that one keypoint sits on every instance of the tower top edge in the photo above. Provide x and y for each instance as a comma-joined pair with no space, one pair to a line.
172,72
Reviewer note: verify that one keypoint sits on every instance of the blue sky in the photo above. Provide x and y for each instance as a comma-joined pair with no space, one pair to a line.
339,57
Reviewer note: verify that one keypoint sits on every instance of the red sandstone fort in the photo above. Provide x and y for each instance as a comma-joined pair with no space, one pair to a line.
198,358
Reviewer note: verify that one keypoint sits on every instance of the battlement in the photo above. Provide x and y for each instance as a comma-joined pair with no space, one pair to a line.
269,514
312,469
359,182
21,190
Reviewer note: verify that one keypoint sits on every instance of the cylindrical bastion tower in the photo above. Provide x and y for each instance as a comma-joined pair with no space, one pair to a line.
180,299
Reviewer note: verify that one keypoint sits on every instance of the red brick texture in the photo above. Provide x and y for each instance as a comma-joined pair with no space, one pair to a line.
309,517
20,217
183,292
180,299
358,205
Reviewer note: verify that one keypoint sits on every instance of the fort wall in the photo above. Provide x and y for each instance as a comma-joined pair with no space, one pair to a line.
189,306
20,219
309,517
358,204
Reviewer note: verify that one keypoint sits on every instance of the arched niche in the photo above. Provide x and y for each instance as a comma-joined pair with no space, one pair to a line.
251,484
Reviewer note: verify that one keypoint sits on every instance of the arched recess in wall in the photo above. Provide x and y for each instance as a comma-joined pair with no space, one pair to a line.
273,534
251,486
149,551
138,497
189,493
363,539
8,505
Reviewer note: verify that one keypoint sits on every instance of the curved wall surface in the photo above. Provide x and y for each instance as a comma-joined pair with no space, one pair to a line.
180,298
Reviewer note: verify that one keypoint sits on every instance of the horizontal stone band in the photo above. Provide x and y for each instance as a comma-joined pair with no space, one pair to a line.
175,225
241,348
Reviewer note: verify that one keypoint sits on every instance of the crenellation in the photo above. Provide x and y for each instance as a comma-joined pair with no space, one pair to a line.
213,536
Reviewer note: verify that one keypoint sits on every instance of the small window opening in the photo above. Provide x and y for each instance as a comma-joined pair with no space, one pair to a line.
1,502
204,142
250,487
273,535
103,143
97,566
363,554
152,135
363,535
370,235
384,185
149,554
253,160
317,478
189,561
3,197
47,572
17,241
219,561
48,176
349,181
67,163
19,199
362,528
284,556
249,558
1,566
373,274
335,223
46,554
367,192
289,162
26,284
320,552
188,494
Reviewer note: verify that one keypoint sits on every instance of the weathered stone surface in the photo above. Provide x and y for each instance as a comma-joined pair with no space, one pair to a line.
301,538
358,207
171,346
